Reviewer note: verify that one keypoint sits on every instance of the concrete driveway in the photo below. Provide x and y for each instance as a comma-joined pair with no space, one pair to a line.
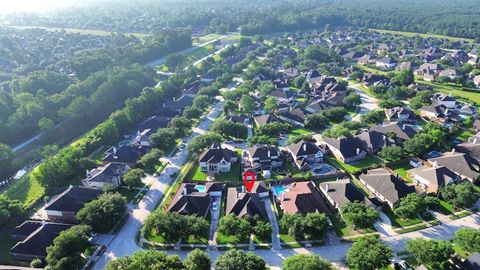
368,103
215,216
273,221
384,225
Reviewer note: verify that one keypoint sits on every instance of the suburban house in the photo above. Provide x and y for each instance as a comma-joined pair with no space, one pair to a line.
386,63
238,118
217,159
431,179
460,163
305,154
63,207
472,149
440,114
450,73
142,138
445,100
35,237
261,189
245,204
265,119
193,199
109,174
303,198
373,141
125,154
345,149
476,81
295,116
280,96
341,192
388,188
401,114
319,106
400,132
264,157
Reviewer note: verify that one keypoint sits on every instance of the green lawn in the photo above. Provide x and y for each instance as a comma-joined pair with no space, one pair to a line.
397,222
27,190
413,228
80,31
354,168
445,208
299,131
233,176
198,175
412,34
285,238
453,89
372,70
128,194
293,169
230,239
339,225
402,169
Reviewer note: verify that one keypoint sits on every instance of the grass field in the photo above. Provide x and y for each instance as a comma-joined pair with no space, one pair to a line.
454,90
205,38
79,31
402,169
397,222
412,34
27,190
354,168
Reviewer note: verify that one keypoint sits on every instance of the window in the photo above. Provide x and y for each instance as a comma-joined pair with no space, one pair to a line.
204,168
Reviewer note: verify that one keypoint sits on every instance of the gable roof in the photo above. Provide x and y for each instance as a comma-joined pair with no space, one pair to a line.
263,152
216,153
303,148
296,114
244,204
265,119
386,184
73,199
304,198
402,131
342,192
346,145
459,163
126,154
35,245
437,176
471,149
373,140
189,201
106,173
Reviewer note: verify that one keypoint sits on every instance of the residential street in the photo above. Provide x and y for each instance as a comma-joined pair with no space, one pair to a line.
123,243
368,103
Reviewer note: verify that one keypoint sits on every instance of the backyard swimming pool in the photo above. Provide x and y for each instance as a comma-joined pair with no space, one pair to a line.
200,188
325,169
279,189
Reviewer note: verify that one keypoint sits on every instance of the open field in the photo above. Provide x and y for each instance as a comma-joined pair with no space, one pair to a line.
412,34
27,190
77,31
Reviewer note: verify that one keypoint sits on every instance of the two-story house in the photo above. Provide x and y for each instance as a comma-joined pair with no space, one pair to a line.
216,159
305,154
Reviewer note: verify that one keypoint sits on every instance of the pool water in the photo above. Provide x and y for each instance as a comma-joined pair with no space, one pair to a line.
200,188
279,189
322,170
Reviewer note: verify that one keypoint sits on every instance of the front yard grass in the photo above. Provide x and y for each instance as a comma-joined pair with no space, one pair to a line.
230,239
397,222
445,208
402,169
198,175
367,162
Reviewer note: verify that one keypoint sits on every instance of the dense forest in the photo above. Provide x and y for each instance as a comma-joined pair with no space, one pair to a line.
455,18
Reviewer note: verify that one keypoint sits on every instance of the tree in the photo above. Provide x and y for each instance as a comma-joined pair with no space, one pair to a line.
103,213
336,114
247,104
229,128
164,139
270,104
238,260
468,239
174,61
359,216
352,100
460,195
173,226
306,262
150,159
419,144
46,124
6,161
143,260
414,204
64,253
373,117
133,178
182,125
316,121
231,225
199,143
392,153
368,253
197,259
36,263
433,254
421,98
403,77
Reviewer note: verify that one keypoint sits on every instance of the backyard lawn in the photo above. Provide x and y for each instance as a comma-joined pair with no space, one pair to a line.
402,169
299,131
453,89
397,221
464,135
357,167
27,190
198,175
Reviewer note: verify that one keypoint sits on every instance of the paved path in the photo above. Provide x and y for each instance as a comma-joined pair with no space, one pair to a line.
273,221
123,243
214,220
368,103
384,226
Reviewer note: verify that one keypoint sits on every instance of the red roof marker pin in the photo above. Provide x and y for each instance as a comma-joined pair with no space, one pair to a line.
249,180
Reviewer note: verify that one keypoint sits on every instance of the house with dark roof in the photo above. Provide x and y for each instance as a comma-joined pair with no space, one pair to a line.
345,149
341,192
109,174
305,154
303,198
125,154
264,157
217,159
245,204
472,149
318,106
193,199
445,100
265,119
431,178
35,237
238,118
63,207
399,131
295,116
282,96
472,263
401,114
460,163
373,141
386,63
389,189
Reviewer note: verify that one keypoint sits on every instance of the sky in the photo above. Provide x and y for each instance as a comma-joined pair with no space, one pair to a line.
9,6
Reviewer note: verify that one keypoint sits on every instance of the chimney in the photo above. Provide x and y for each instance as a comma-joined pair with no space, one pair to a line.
384,137
327,188
44,223
404,127
453,151
475,140
358,151
87,174
243,189
305,146
268,153
435,164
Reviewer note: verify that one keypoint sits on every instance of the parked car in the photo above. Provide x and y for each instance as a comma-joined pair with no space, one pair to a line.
395,264
405,265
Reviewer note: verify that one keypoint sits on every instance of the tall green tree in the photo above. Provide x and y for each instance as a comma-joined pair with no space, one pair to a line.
368,253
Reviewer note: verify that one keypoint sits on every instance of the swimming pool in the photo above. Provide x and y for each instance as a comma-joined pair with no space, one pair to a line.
325,169
200,188
279,189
